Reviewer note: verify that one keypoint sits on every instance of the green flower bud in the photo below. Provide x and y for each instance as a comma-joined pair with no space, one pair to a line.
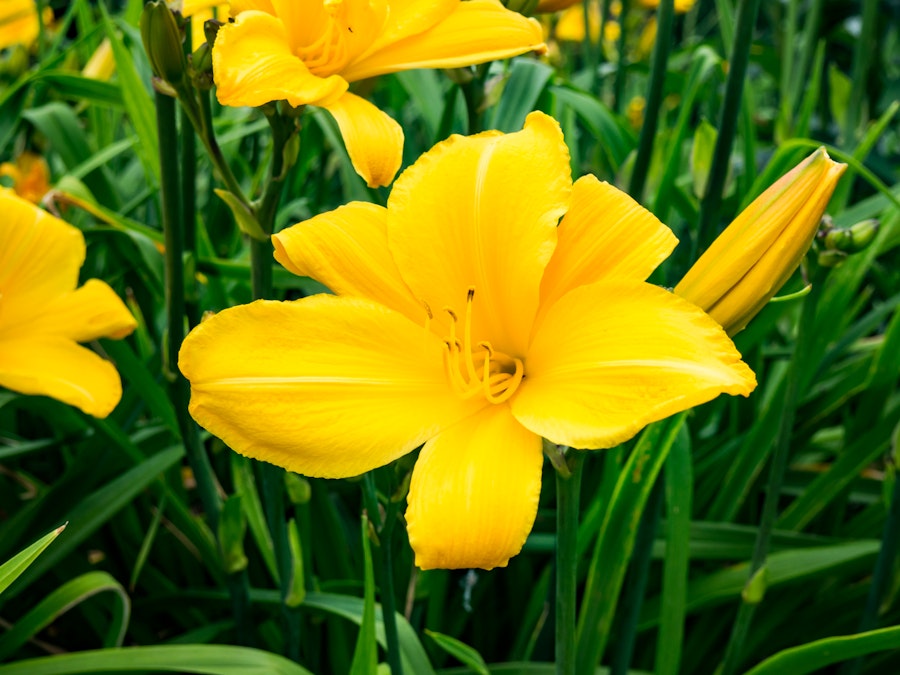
201,67
852,239
163,42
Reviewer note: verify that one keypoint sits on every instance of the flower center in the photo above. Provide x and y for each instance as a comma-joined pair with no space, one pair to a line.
481,369
328,54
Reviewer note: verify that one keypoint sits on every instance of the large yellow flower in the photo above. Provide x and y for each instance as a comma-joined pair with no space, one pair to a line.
308,51
43,315
19,22
467,320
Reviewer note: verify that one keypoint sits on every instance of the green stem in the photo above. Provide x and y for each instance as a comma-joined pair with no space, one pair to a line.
568,491
189,213
591,49
731,108
658,68
198,460
633,597
473,94
621,67
388,603
741,627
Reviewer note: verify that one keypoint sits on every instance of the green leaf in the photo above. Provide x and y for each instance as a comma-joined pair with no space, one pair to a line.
701,156
202,659
365,656
618,533
12,568
137,100
811,657
97,508
527,79
63,599
460,651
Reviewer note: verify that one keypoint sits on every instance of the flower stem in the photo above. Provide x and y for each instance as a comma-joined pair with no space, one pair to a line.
658,67
189,213
388,604
621,66
568,491
636,587
175,315
734,649
731,108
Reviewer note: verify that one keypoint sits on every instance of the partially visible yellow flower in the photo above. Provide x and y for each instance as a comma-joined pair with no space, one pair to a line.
19,22
43,316
308,51
747,264
468,320
101,65
635,111
30,176
570,27
647,38
202,11
681,6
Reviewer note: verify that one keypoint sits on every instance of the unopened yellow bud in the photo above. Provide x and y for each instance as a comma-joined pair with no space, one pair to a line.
163,42
747,264
102,64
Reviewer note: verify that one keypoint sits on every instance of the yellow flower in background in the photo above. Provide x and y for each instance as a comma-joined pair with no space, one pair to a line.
43,316
747,264
570,27
19,22
467,320
681,6
102,64
308,51
30,176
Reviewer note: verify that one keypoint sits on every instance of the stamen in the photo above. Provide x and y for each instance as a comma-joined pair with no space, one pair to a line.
467,334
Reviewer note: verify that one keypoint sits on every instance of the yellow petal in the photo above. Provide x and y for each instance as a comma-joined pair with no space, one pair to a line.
304,20
474,493
40,257
616,355
374,140
253,64
605,234
57,367
93,311
347,250
475,32
481,212
406,18
325,386
238,6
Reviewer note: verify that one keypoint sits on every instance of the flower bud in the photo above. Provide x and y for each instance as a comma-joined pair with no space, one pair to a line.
163,42
852,239
747,264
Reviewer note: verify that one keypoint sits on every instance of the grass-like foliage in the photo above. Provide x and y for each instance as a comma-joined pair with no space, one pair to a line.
748,535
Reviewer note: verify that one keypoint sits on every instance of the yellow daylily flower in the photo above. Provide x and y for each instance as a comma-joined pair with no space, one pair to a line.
308,51
43,315
30,176
570,27
468,320
755,255
19,22
681,6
